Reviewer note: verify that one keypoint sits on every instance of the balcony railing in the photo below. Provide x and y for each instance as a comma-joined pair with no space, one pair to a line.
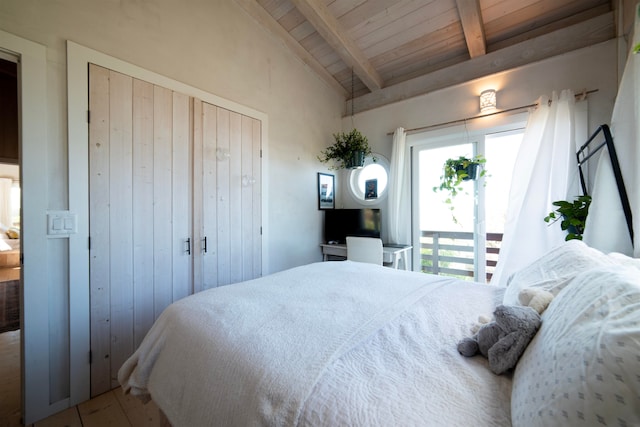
452,253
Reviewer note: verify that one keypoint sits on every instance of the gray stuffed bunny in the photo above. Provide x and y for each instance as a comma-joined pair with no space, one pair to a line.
504,340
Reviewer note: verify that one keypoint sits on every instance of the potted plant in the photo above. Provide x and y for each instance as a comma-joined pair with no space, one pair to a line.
348,152
573,214
457,171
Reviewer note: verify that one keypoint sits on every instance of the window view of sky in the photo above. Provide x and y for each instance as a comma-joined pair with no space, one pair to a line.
435,214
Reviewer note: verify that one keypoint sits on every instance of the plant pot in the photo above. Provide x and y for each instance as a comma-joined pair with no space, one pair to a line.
355,161
471,170
572,229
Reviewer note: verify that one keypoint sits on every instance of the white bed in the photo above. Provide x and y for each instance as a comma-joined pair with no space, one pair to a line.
7,244
344,343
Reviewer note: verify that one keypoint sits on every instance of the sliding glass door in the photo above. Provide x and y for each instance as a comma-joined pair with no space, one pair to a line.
460,235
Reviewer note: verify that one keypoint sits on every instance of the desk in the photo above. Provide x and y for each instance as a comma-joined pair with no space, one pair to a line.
391,255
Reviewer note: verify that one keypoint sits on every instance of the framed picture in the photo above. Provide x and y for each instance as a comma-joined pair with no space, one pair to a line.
371,189
326,191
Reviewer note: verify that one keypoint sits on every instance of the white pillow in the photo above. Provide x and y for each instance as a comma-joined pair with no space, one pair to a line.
555,269
583,366
622,259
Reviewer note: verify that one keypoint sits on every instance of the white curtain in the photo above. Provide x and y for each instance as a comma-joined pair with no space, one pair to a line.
399,218
5,202
606,227
545,171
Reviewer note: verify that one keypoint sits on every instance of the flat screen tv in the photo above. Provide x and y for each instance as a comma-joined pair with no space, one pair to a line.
340,223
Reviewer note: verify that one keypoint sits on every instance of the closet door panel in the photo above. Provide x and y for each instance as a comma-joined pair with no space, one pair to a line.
142,208
247,198
99,261
223,195
140,213
198,231
257,199
228,165
121,219
235,197
181,197
209,212
163,239
251,206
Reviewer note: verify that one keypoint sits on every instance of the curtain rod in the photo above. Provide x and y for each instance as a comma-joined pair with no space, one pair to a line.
582,95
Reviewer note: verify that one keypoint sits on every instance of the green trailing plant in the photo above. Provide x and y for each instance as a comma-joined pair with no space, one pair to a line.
347,146
457,171
573,215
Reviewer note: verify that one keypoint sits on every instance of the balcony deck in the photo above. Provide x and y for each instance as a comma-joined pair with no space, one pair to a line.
452,253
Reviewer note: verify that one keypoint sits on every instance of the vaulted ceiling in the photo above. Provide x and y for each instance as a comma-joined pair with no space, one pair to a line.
384,51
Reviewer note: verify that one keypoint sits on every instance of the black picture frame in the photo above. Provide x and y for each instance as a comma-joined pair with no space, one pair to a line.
326,191
371,189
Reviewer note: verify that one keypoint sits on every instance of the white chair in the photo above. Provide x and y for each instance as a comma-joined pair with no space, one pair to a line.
364,249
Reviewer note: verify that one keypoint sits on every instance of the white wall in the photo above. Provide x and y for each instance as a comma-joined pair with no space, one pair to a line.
214,46
589,68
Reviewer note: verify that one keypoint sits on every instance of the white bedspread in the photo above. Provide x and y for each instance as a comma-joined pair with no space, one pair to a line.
325,344
7,244
409,373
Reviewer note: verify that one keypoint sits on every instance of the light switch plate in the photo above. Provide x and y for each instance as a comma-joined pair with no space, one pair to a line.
61,223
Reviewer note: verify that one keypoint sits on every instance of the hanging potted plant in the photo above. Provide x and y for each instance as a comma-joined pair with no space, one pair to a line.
457,171
348,152
573,215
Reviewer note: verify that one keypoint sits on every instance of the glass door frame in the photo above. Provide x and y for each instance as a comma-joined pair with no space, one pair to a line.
469,132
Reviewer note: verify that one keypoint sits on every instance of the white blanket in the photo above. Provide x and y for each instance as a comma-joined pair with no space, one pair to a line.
409,373
253,353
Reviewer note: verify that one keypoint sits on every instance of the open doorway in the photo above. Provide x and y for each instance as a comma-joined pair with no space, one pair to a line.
10,282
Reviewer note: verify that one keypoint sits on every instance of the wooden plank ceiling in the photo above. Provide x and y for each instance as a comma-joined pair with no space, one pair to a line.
384,51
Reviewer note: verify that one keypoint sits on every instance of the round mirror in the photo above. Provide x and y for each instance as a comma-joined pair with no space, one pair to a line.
369,183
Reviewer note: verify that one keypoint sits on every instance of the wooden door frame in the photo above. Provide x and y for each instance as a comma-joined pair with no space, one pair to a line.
32,112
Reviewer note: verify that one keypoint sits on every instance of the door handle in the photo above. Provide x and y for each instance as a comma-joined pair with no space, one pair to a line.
188,246
204,246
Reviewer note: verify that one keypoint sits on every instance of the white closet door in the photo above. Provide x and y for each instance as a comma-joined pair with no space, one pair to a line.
174,207
227,191
140,203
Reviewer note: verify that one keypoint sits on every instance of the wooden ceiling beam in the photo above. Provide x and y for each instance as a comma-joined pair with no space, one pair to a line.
587,33
258,13
330,29
472,26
